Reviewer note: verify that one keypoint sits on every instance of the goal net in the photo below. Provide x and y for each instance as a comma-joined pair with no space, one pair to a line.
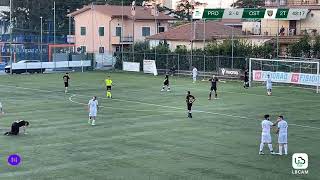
285,71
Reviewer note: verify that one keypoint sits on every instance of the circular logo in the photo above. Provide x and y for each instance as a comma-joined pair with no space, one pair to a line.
14,160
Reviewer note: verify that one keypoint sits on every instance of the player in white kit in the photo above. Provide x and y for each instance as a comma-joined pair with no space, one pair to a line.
282,135
194,74
93,107
266,135
269,85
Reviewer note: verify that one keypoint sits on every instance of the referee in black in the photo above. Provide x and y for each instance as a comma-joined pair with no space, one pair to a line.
246,79
214,81
190,100
66,79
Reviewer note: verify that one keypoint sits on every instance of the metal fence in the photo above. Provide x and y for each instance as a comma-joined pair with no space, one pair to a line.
182,63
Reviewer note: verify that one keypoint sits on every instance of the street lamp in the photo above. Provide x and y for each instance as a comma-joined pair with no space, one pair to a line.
41,33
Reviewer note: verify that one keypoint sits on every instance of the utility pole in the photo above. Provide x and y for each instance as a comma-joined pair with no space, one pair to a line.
10,29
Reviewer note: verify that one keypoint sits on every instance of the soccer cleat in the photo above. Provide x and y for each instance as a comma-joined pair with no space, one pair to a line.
272,152
162,90
261,153
168,90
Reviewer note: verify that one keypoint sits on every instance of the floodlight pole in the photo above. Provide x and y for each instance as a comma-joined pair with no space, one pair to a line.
278,32
41,34
318,66
10,29
250,73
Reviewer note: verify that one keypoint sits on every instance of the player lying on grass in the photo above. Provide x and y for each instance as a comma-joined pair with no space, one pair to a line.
266,135
190,100
16,126
166,84
282,132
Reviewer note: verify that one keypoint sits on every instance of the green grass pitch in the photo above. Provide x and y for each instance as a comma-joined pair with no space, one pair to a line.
145,134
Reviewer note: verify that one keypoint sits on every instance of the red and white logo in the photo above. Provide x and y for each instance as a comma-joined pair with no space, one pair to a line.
257,75
295,78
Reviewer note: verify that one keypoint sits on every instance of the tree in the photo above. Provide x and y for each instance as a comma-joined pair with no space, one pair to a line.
301,48
185,8
248,3
316,47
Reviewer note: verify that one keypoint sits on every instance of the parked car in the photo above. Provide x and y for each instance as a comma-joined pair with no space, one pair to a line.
19,71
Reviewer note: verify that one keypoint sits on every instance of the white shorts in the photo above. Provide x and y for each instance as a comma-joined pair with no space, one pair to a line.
269,87
93,113
282,139
265,138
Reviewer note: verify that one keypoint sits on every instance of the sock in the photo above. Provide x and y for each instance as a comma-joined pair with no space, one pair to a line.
210,95
285,148
216,95
261,147
168,88
93,122
110,94
270,147
89,120
280,149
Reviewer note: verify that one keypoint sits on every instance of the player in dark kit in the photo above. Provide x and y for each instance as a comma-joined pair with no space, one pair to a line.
190,100
16,126
66,82
214,80
166,84
246,79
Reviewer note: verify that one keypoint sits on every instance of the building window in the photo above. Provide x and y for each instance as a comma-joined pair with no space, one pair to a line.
83,31
83,49
161,29
118,31
101,50
101,31
145,31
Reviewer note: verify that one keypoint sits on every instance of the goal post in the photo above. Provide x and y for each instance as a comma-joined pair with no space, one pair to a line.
295,72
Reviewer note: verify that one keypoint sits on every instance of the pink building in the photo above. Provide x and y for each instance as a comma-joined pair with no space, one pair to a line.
105,28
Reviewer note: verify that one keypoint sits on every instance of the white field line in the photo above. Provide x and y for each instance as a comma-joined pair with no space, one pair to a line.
158,105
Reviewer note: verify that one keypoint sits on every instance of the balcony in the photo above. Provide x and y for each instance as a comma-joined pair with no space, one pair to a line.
116,40
275,3
282,31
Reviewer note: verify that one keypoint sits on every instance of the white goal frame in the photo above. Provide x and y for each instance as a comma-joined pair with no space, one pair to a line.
284,60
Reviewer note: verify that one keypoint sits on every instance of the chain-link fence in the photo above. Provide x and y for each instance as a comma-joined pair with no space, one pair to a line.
183,64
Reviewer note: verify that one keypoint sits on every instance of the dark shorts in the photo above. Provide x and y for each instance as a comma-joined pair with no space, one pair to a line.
109,88
213,88
166,83
14,129
66,84
189,106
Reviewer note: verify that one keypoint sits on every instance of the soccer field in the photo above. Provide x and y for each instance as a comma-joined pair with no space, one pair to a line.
143,133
